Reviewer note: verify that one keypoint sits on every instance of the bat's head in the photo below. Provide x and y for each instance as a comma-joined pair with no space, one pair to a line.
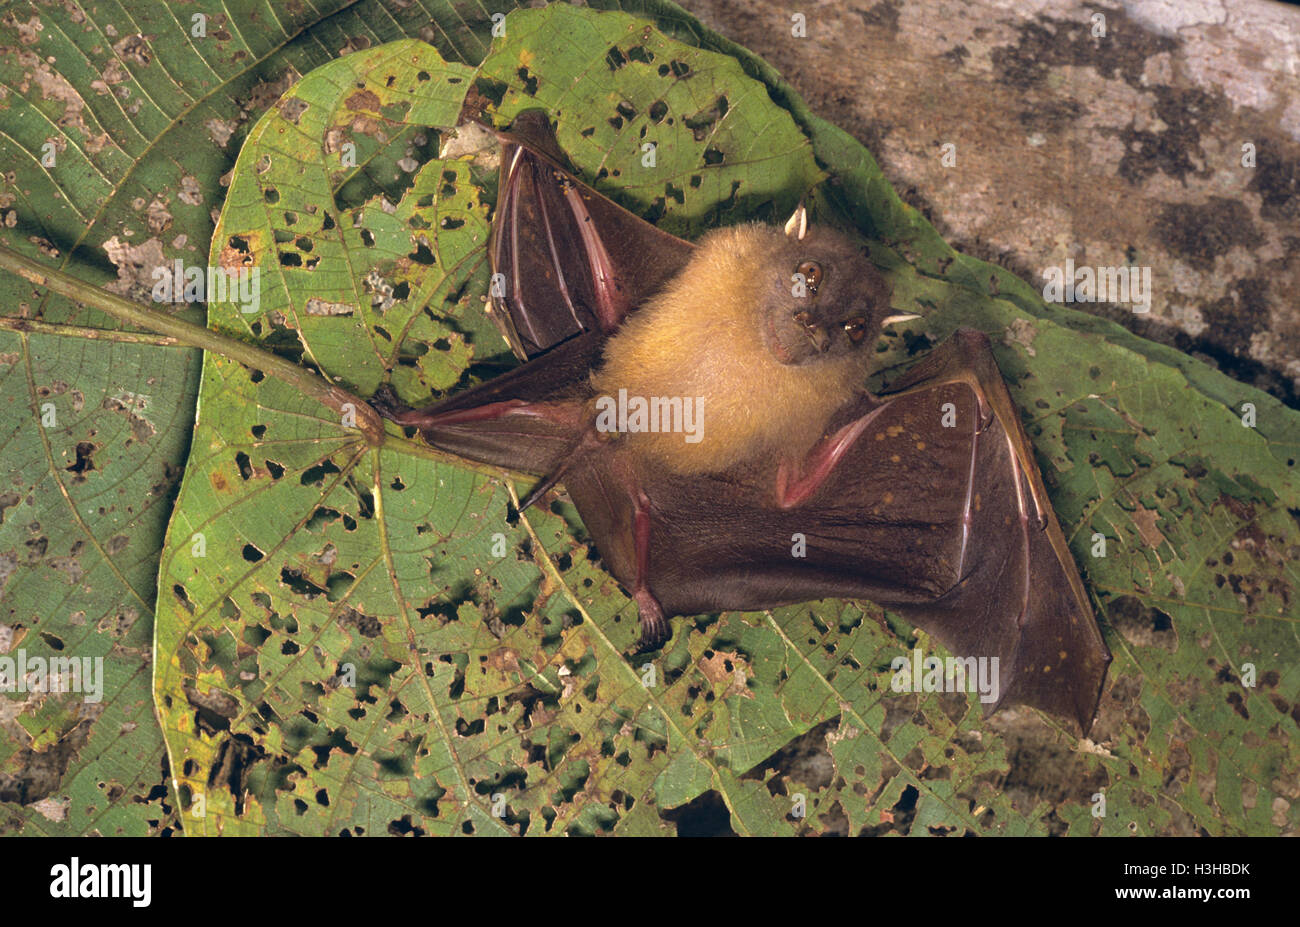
820,295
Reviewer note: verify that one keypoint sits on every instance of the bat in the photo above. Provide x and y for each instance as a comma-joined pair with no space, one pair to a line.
704,405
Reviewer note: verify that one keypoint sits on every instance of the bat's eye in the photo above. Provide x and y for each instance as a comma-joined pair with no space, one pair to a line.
812,274
856,329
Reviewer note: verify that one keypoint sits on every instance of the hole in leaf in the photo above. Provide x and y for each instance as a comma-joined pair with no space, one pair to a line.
316,475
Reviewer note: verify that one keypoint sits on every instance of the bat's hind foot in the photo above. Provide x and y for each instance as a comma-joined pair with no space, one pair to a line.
654,626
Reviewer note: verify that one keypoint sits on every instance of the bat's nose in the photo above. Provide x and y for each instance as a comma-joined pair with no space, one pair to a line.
816,334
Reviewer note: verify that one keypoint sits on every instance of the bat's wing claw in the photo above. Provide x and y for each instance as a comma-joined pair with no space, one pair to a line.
386,403
986,413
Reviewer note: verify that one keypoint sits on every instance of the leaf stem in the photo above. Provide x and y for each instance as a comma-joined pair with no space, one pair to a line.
41,327
251,356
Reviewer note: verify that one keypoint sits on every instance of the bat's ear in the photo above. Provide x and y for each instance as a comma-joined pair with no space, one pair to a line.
899,317
797,225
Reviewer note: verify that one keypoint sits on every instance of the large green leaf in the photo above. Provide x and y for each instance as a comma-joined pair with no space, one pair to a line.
490,654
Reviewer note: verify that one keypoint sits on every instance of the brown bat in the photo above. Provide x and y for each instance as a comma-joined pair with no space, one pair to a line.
704,405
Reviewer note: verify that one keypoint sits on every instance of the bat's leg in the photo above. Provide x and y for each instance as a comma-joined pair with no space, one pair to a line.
621,500
501,427
423,418
654,626
799,479
591,440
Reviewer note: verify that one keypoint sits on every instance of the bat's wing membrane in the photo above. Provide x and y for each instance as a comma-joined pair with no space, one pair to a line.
566,259
529,419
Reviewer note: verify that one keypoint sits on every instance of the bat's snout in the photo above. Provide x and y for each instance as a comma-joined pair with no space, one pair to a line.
815,333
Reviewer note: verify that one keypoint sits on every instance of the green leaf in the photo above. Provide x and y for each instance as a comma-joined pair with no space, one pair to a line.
675,133
141,119
91,477
353,653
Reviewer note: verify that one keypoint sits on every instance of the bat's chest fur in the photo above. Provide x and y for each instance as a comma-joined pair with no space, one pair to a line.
699,345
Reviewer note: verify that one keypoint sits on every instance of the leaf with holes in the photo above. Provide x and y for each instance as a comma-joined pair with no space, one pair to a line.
119,124
370,643
391,650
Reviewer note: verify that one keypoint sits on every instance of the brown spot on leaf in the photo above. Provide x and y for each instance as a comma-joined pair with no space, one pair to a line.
31,775
135,267
28,32
1145,521
84,461
240,251
215,708
1141,624
7,500
504,660
291,110
366,625
56,87
191,192
729,667
134,49
317,306
220,130
363,101
131,405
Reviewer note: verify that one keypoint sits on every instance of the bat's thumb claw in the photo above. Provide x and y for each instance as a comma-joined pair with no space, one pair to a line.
385,401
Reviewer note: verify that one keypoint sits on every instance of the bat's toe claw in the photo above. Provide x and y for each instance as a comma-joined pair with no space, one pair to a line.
654,626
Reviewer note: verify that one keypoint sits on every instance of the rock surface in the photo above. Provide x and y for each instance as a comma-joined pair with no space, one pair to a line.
1154,133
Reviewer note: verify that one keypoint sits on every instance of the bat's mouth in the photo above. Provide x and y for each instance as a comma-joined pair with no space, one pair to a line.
792,345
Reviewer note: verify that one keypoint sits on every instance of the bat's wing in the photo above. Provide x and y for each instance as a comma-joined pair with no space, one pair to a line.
566,259
567,265
530,419
937,510
1018,595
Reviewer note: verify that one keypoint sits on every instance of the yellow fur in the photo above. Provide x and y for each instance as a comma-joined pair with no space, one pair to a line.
702,337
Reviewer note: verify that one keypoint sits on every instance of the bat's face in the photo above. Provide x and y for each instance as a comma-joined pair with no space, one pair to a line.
820,297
